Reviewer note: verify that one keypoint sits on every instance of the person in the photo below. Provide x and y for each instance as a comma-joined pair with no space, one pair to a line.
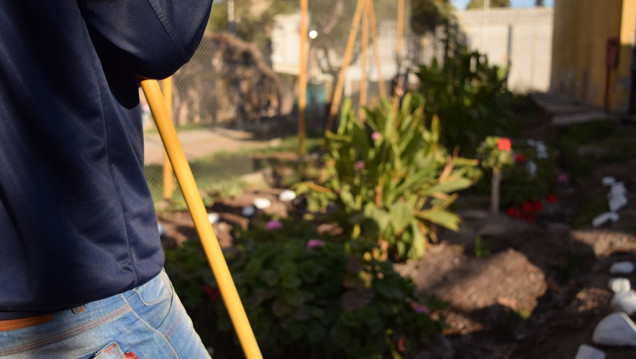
81,265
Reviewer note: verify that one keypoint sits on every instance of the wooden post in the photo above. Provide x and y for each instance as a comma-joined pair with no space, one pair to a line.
337,94
168,179
363,65
400,28
376,48
302,78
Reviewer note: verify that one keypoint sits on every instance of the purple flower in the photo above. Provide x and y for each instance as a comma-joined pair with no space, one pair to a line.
358,165
273,225
315,243
562,178
376,136
418,308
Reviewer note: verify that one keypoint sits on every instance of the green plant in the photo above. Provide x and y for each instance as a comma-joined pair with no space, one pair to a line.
315,299
469,96
482,249
389,178
495,154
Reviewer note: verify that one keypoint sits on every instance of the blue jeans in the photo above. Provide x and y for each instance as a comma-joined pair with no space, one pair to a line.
148,321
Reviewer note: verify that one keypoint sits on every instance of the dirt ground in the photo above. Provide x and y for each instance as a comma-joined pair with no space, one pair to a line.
524,290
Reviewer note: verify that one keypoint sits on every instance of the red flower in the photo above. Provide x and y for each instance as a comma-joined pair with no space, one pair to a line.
400,345
513,212
519,157
527,207
551,198
212,293
530,218
538,206
503,143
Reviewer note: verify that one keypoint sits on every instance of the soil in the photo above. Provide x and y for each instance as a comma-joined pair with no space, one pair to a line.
523,290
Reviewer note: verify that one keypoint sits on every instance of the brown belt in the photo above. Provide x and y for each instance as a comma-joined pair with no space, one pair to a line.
13,324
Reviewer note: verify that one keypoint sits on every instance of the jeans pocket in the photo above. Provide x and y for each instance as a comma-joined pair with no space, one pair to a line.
110,351
156,290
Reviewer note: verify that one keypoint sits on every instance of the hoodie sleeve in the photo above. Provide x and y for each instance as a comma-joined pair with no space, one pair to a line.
150,38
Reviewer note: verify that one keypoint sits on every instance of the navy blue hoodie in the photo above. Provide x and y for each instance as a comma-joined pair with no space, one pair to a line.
77,221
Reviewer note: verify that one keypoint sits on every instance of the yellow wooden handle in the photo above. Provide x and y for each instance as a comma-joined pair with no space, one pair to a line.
199,216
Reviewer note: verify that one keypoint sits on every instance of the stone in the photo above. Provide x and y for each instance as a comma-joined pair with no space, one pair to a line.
616,329
162,230
617,201
603,218
608,181
618,188
624,267
287,195
589,352
248,211
262,203
624,302
213,218
619,285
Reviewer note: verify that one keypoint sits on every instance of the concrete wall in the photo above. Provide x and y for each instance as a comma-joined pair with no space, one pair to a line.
581,31
523,36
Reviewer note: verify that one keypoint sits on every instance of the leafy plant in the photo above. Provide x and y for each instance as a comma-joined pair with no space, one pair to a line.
316,299
469,96
388,178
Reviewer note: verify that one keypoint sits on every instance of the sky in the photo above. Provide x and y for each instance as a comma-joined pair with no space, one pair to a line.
461,4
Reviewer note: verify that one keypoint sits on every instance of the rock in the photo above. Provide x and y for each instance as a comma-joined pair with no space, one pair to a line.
624,267
589,352
213,217
287,195
624,302
248,211
617,201
618,188
262,203
619,285
608,181
603,218
162,230
616,329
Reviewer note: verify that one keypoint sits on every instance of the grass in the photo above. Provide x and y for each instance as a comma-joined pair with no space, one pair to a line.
222,169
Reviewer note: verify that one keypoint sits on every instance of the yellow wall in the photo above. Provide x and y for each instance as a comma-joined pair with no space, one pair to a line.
581,30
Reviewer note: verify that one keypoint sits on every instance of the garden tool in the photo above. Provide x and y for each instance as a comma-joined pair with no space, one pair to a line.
197,210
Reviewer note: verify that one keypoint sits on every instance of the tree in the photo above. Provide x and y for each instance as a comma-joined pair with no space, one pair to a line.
539,3
479,4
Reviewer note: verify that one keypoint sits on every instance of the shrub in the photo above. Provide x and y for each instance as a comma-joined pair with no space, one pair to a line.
469,96
388,178
317,299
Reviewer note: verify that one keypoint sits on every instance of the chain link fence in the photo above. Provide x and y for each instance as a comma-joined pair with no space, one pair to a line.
239,93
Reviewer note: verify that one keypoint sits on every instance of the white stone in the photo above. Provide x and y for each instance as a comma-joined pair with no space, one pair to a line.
618,188
624,267
604,217
616,329
287,195
162,230
589,352
608,181
262,203
213,217
619,285
617,202
248,211
624,302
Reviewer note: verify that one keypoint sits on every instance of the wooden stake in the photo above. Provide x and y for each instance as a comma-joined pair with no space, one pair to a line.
400,28
363,65
168,179
376,49
302,78
337,95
